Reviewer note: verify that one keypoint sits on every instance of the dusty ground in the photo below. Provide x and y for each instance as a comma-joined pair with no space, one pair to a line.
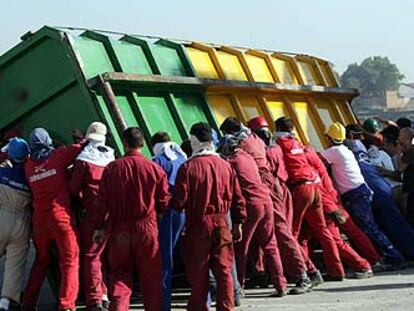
388,291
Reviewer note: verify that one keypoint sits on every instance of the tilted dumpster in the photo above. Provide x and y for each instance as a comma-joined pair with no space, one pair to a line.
64,78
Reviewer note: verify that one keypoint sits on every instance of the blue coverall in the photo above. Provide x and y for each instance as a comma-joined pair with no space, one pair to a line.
386,212
170,228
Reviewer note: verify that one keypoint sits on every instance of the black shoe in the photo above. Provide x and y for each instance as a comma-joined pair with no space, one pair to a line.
303,286
316,278
105,304
279,293
329,278
363,274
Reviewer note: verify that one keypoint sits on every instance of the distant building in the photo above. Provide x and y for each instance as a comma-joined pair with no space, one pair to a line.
386,104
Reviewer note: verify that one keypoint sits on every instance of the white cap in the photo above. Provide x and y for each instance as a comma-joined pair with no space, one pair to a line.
96,131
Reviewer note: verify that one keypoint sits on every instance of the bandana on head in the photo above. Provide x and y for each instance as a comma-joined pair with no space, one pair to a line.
97,153
201,148
41,145
243,133
170,149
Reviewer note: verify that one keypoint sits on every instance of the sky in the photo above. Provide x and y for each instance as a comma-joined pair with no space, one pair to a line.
340,31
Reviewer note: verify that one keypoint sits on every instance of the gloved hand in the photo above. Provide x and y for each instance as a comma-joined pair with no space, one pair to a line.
338,216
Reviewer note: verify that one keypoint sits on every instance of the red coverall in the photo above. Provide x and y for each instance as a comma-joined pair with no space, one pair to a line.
84,185
331,202
131,193
206,188
53,222
290,250
259,220
307,204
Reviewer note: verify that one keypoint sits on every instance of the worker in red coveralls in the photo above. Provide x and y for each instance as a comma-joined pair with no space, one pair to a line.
132,193
277,165
53,218
307,206
206,189
84,185
290,250
259,215
334,214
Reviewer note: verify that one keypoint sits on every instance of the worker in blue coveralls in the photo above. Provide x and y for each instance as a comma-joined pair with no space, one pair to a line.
385,210
355,193
170,157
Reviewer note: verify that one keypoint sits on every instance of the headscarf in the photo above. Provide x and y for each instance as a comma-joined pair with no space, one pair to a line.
201,148
170,149
40,143
243,133
97,153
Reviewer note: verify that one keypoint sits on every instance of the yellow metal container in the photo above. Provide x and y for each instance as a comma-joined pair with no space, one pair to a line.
272,84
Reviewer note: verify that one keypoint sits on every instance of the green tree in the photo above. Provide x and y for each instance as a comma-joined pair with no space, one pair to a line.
373,74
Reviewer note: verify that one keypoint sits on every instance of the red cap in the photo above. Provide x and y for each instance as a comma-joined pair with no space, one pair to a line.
257,123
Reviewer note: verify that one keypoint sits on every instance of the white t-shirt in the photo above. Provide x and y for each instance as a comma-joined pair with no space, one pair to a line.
345,169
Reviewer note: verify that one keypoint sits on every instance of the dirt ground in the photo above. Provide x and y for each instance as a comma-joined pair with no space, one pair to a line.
386,291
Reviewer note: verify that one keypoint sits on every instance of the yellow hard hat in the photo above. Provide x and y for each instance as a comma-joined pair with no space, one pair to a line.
337,132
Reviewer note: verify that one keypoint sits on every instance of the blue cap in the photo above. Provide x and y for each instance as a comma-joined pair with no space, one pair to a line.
17,149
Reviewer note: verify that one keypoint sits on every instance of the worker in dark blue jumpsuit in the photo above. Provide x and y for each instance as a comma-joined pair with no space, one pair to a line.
170,157
385,210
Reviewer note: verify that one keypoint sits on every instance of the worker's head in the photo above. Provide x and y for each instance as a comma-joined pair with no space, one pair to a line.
231,125
371,126
404,122
202,131
353,131
260,126
96,132
159,138
336,133
17,149
132,139
40,143
405,138
390,141
284,124
228,145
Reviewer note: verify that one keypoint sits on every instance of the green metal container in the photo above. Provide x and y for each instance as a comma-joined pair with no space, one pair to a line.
62,79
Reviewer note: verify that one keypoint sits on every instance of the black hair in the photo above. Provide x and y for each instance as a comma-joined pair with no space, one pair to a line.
202,131
160,137
284,124
404,122
390,134
231,125
133,137
186,147
352,129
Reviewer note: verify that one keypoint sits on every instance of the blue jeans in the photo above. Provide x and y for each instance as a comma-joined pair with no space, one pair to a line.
358,204
170,228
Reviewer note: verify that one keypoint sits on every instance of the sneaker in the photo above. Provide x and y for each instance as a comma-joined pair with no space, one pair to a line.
379,266
279,293
363,274
330,278
316,278
105,304
304,285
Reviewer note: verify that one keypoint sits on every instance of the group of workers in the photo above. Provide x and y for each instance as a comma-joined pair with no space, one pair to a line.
249,195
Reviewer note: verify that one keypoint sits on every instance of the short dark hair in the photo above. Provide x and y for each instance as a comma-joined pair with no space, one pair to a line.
202,131
133,137
404,122
160,137
231,125
284,124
